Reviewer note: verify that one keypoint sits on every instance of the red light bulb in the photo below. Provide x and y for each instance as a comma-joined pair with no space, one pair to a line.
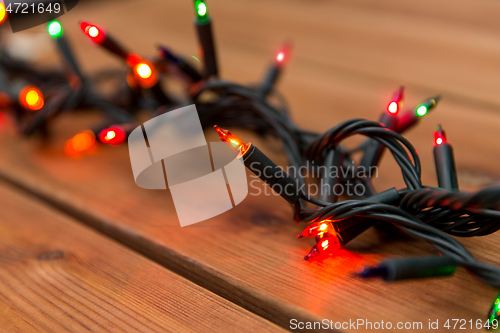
393,108
395,104
317,229
232,140
31,98
439,136
95,33
3,13
282,55
325,245
113,136
79,143
144,72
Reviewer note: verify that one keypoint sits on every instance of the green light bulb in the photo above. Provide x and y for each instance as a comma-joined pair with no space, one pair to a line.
201,8
55,29
495,310
422,111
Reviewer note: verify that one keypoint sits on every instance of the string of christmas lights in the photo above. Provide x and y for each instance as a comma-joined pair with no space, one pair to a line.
433,214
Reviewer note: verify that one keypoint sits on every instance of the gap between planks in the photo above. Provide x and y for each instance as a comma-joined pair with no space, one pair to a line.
275,311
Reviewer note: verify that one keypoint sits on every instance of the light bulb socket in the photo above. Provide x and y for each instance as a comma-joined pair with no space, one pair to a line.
67,53
413,268
272,76
446,171
207,43
181,64
114,47
274,176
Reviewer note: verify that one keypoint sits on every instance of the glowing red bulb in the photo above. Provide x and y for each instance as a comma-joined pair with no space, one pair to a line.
282,55
92,31
144,72
393,108
395,104
439,136
113,136
79,143
317,229
96,34
31,98
324,245
3,13
232,140
110,135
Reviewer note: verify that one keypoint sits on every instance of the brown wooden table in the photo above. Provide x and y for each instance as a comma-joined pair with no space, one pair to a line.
138,270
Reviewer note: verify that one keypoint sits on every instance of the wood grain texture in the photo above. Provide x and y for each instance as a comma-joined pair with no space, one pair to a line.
59,276
349,56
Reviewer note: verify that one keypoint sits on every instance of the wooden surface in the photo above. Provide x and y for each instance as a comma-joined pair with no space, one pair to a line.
348,58
59,276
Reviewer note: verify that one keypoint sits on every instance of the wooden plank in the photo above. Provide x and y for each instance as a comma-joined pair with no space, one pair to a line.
443,45
59,276
250,255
